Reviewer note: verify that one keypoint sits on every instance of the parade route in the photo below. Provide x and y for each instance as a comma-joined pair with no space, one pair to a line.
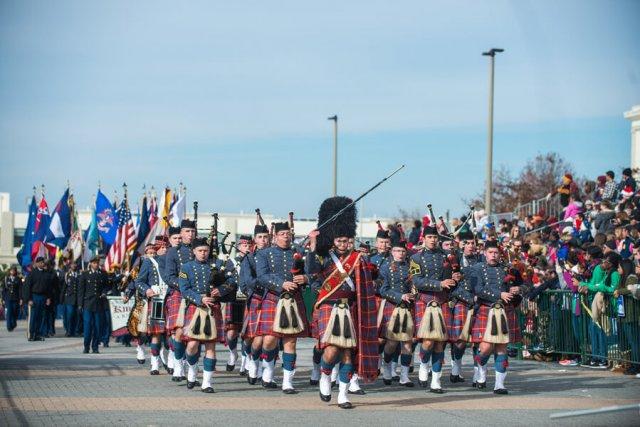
53,383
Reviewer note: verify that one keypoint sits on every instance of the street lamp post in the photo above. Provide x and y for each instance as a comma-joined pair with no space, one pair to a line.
335,154
487,197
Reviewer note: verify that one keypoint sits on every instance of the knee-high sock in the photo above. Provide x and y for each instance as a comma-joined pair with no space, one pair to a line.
317,355
179,349
208,366
345,373
436,361
232,343
288,361
405,359
501,365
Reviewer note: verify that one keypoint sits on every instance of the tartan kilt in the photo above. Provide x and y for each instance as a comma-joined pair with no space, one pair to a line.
458,317
421,304
251,316
268,315
229,324
172,310
321,318
217,315
515,336
156,328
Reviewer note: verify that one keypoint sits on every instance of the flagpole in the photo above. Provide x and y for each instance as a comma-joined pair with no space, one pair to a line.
126,260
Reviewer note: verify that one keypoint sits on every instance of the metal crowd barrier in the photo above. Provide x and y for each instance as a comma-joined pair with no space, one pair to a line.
561,322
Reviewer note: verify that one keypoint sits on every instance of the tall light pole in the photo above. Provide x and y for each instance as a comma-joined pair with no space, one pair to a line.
489,178
335,154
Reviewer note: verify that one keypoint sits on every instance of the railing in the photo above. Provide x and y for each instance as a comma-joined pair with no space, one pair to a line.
560,322
551,207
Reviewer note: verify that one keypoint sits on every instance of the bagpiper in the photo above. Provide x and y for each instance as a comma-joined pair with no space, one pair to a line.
396,318
203,285
175,306
460,306
344,314
490,326
250,286
428,276
282,316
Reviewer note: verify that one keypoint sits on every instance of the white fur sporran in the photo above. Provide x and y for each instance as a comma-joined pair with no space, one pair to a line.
400,326
287,320
497,330
203,325
340,330
432,326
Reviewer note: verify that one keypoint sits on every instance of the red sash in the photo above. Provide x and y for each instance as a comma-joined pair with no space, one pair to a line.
335,279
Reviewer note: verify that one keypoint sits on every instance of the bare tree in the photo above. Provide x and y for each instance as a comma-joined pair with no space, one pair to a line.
537,179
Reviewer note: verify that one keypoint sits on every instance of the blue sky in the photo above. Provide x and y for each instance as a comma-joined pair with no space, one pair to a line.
232,99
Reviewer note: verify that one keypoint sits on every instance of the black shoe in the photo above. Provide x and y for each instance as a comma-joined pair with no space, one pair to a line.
105,345
154,372
252,381
170,371
67,335
430,374
359,392
182,378
395,378
127,345
423,384
480,385
386,382
269,385
436,390
38,339
409,384
290,391
140,361
230,368
314,382
474,384
208,390
95,351
631,370
176,379
345,405
85,351
243,373
30,339
191,385
456,379
333,384
411,369
324,398
501,391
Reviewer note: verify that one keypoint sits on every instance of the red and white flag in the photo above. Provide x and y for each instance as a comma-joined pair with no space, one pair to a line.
126,238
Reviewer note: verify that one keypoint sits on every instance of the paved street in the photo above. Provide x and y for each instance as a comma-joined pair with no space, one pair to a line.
53,383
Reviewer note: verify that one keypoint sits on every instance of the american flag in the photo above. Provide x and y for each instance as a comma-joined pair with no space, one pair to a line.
125,241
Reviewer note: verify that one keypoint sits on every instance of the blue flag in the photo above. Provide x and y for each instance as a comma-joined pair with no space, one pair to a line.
106,218
59,229
24,255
